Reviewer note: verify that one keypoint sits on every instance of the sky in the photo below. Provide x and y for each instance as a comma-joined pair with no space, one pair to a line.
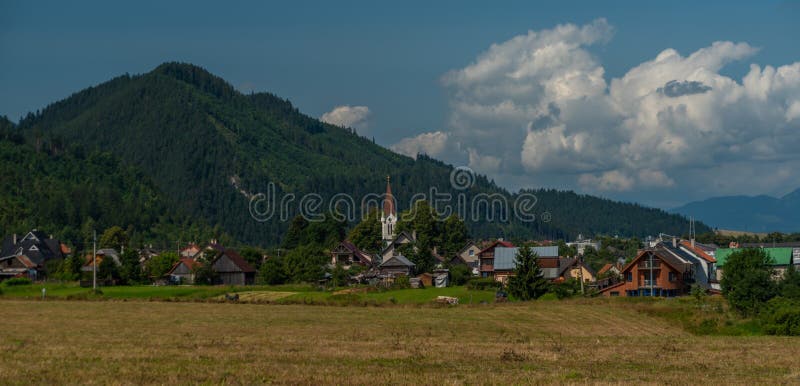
660,104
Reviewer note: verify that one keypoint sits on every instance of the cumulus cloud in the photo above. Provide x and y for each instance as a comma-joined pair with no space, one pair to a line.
539,105
431,144
348,116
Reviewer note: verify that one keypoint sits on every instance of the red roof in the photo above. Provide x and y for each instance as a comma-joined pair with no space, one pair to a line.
698,251
604,269
497,243
388,201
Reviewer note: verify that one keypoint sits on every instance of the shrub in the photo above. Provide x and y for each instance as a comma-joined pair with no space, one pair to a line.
484,284
17,281
781,317
401,282
460,274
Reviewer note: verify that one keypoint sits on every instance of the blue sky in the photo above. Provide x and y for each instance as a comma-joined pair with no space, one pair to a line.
391,58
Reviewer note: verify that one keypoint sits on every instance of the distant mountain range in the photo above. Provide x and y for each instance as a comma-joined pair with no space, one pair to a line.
748,213
203,149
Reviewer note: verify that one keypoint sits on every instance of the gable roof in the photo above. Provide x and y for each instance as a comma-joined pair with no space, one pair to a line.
397,260
605,268
355,251
698,251
780,256
505,258
673,257
237,260
497,243
189,263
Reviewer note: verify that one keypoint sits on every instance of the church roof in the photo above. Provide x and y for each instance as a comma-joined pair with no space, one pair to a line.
388,200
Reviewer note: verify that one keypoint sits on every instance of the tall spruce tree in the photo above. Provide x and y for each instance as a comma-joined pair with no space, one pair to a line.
528,282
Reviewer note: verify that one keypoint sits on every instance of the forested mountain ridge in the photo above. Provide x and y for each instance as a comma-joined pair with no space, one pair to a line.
69,192
207,147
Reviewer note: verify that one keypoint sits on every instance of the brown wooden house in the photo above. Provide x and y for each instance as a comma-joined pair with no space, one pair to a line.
347,254
658,271
233,269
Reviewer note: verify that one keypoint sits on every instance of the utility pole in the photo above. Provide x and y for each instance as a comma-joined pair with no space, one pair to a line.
94,260
651,274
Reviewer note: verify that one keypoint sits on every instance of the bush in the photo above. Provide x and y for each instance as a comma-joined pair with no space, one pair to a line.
484,284
781,317
17,281
460,274
401,282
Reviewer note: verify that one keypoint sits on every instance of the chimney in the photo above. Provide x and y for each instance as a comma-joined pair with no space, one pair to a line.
15,239
692,242
674,242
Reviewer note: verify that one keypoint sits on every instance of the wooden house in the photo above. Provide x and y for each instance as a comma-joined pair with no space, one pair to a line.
503,261
346,254
233,269
392,248
27,256
659,271
396,265
183,271
486,257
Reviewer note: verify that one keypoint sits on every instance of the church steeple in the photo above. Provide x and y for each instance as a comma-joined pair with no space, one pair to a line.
389,215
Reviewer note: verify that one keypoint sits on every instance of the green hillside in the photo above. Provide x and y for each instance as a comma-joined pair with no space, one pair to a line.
208,147
68,191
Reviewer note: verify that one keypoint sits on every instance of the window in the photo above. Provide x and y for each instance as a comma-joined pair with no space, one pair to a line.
472,252
672,276
614,293
629,276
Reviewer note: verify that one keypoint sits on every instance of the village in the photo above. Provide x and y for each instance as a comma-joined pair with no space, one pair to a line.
662,266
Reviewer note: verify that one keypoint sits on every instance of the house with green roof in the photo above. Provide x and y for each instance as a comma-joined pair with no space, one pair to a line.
781,259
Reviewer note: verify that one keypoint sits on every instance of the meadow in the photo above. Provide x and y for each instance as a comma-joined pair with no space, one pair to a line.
125,341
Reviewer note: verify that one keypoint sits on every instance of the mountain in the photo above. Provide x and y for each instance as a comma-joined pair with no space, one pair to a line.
748,213
208,148
69,192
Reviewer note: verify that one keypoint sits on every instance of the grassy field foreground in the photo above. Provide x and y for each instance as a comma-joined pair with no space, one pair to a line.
538,342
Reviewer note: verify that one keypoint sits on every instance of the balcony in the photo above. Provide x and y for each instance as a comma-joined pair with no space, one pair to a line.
649,283
650,265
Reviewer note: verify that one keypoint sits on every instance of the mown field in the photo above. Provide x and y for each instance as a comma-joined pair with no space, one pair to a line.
577,341
282,294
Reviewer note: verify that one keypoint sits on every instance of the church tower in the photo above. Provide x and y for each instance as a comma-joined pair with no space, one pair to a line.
389,215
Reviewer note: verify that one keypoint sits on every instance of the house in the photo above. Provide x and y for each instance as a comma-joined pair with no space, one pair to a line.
183,271
347,254
147,253
392,249
468,255
486,263
396,265
573,268
504,260
705,265
27,256
100,255
233,269
581,244
609,269
781,257
190,251
659,271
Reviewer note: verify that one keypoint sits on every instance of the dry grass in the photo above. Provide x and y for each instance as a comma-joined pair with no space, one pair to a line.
58,342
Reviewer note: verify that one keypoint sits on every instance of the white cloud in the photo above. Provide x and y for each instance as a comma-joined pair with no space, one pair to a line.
349,116
431,144
538,108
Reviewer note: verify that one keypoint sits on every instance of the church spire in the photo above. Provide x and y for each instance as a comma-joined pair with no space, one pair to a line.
389,216
388,200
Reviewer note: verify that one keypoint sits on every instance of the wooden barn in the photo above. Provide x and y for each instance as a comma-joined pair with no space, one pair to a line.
183,271
233,269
